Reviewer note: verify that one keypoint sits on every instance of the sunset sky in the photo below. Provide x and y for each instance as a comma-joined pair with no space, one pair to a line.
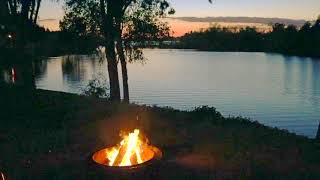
52,12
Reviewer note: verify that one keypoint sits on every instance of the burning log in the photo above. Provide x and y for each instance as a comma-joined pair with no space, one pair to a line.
120,156
129,152
134,157
132,151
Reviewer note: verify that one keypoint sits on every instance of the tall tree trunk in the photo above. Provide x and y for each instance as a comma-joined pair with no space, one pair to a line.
12,4
120,51
33,5
8,10
25,8
108,30
37,11
113,71
119,10
15,7
23,24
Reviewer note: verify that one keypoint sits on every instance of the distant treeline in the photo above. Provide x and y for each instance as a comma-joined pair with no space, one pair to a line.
20,35
41,42
61,42
304,41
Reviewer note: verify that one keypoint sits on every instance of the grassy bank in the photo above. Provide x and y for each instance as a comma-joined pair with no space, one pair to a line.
50,135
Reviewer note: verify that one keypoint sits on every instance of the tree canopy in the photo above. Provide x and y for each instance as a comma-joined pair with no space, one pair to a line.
117,22
140,19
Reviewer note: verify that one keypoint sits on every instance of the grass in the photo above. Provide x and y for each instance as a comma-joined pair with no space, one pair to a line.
50,135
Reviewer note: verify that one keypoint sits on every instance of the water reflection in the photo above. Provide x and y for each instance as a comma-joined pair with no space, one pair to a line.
72,69
9,76
40,67
273,89
18,74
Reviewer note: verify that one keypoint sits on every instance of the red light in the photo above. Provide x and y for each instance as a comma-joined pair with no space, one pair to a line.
13,75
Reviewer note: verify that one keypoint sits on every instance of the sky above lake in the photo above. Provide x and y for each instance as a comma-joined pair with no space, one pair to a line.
52,12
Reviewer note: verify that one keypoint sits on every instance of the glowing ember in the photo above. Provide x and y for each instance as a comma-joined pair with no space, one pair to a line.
131,151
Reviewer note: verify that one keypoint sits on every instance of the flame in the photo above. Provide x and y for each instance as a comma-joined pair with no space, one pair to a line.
128,153
132,150
2,176
112,155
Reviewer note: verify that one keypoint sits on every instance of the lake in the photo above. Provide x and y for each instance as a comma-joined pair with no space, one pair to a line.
276,90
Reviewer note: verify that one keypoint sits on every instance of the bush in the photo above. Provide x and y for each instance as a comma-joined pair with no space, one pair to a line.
97,87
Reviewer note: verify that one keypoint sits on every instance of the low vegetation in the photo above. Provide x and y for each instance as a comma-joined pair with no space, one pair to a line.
45,134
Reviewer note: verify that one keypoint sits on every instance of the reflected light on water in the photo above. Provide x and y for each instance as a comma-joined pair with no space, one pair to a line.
273,89
13,75
278,91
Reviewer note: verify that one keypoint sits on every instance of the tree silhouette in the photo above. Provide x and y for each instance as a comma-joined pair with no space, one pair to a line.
118,22
286,39
19,17
27,9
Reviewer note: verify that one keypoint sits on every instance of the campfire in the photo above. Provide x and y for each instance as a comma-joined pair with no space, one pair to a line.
2,176
133,151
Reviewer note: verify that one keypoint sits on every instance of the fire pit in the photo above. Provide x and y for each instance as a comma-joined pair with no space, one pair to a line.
133,157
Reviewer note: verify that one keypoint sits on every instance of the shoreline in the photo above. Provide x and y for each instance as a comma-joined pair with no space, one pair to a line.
10,53
51,134
235,51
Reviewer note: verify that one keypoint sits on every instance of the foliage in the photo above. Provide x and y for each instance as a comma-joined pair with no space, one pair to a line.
97,87
207,111
54,133
18,19
82,18
134,54
117,22
26,10
282,39
140,21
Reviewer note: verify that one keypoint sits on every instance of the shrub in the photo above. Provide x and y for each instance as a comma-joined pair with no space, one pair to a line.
97,87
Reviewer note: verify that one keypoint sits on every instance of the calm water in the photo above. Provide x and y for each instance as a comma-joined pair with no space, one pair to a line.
276,90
